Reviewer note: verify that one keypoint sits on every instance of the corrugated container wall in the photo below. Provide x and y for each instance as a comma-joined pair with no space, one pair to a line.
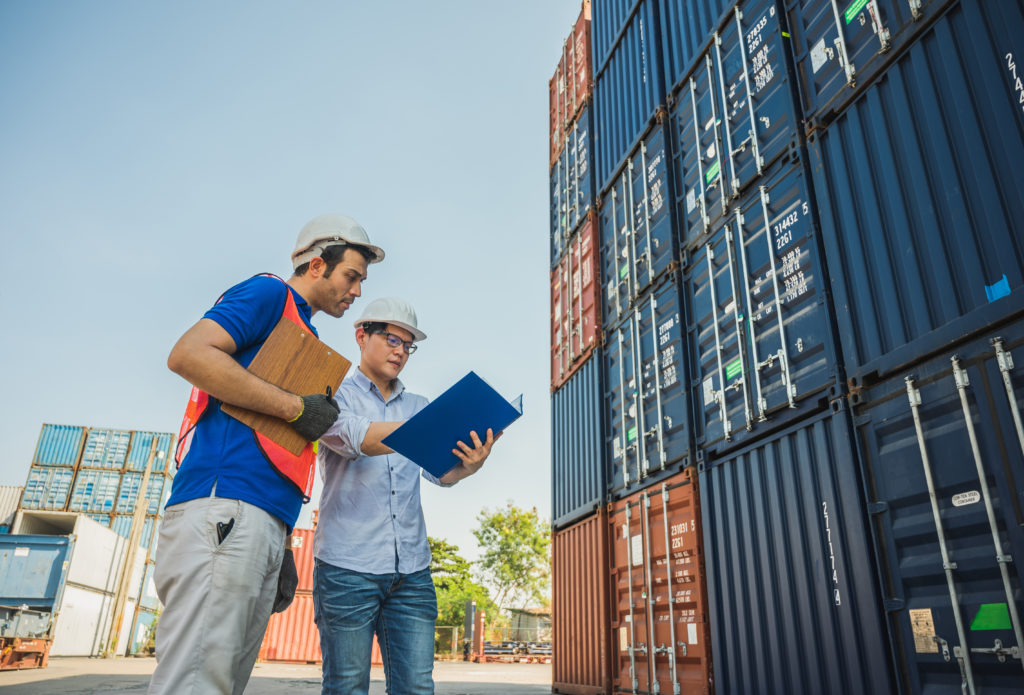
572,185
921,193
10,497
686,26
59,445
302,552
647,404
129,492
790,577
578,477
841,49
951,429
658,596
579,572
637,231
628,91
292,635
47,487
762,339
571,85
575,305
138,455
95,491
106,449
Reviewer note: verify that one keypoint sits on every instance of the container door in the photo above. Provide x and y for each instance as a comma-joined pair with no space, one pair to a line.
631,641
943,447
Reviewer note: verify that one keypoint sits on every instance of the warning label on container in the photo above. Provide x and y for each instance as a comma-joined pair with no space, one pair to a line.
709,390
637,549
21,551
923,627
691,633
691,200
819,55
623,639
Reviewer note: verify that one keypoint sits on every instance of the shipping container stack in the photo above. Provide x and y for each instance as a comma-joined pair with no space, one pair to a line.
810,220
97,472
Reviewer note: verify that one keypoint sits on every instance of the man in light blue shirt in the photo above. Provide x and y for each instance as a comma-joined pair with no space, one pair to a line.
372,571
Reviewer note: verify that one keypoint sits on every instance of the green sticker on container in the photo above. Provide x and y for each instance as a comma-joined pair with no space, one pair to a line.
854,9
712,172
623,270
631,434
733,369
992,616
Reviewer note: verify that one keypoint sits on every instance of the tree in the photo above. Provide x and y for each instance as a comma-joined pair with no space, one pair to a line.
516,559
454,584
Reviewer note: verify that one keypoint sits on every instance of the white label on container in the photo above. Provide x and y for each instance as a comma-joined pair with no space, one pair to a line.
709,390
623,639
923,628
964,498
711,151
730,307
691,633
818,55
691,200
637,550
21,552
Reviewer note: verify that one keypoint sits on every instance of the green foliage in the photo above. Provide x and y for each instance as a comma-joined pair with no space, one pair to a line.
516,555
454,584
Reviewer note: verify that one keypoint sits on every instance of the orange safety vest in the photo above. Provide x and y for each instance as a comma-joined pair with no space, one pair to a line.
298,470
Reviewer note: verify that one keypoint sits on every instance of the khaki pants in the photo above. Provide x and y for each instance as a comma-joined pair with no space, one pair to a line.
217,596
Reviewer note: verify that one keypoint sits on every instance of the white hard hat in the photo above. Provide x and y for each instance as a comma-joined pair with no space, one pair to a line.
328,230
392,310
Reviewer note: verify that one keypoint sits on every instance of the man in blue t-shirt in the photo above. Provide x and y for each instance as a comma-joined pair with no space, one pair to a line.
222,565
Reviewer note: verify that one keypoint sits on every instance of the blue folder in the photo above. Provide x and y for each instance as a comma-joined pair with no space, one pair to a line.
428,437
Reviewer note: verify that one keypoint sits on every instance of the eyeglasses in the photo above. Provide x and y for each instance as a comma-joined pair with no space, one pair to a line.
394,341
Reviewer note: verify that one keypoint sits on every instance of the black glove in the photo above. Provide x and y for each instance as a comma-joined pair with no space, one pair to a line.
318,414
287,580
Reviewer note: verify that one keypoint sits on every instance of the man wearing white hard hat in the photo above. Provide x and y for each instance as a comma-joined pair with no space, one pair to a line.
222,564
372,571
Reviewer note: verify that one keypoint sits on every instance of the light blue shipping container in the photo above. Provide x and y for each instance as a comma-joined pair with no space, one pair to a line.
138,454
122,526
147,592
142,631
32,577
94,491
106,449
130,491
59,445
47,487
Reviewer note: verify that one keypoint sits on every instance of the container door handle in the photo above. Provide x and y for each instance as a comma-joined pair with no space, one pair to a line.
758,160
704,219
676,685
1005,360
631,229
914,396
734,183
639,396
648,571
622,404
1002,559
714,124
633,646
844,59
877,27
658,430
741,251
787,376
719,394
647,215
737,312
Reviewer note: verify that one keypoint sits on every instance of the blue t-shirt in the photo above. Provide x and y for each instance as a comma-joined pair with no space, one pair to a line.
223,450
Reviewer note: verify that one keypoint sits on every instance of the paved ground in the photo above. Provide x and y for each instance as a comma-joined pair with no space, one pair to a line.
83,676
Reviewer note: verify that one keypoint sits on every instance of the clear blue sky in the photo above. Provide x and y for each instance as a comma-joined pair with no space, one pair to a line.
154,154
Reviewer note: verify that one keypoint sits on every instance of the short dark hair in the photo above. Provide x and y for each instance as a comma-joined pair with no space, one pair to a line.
332,256
372,327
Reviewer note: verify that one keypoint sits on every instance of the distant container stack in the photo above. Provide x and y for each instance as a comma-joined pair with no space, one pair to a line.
798,429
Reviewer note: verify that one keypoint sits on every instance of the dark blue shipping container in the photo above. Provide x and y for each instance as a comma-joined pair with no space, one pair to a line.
930,435
628,91
577,463
686,26
608,20
921,193
733,116
790,577
841,47
647,405
761,336
638,241
572,185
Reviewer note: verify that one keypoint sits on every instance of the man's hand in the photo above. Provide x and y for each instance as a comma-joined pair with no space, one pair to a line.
471,459
287,581
316,417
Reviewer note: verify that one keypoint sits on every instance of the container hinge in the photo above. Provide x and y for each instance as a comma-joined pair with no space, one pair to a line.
944,645
966,684
878,508
949,566
682,645
876,24
1004,559
999,650
892,605
1004,358
915,8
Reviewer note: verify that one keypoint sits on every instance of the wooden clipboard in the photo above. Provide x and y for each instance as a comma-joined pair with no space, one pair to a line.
298,362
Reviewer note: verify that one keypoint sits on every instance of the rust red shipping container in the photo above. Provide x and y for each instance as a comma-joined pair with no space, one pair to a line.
571,86
575,309
645,618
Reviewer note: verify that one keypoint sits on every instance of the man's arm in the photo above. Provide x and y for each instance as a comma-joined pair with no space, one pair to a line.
203,357
470,459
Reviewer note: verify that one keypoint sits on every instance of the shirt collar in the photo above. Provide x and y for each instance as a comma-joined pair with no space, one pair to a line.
364,383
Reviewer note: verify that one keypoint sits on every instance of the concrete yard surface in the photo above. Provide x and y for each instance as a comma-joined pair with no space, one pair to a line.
83,676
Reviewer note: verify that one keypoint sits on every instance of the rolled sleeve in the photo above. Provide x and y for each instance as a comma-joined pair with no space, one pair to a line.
345,437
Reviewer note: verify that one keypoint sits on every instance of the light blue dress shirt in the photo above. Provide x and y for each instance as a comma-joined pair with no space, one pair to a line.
370,518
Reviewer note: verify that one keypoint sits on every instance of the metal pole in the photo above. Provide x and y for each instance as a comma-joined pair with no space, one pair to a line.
124,584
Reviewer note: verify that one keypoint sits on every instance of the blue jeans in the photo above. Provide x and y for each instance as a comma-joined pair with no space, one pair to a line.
349,607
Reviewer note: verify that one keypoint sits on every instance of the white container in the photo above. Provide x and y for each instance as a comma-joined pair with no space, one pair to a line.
10,496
